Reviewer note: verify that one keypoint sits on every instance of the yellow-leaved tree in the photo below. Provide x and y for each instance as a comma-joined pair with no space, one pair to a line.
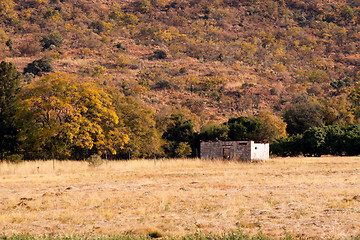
138,119
273,126
63,118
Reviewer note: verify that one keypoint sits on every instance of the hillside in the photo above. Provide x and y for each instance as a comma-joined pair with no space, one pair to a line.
209,59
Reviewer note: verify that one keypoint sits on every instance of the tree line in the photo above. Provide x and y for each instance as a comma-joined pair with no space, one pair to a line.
62,117
318,127
334,139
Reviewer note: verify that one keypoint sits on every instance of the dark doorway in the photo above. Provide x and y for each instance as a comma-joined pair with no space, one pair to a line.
226,153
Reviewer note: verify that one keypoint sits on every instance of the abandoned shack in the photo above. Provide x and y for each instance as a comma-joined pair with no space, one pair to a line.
235,150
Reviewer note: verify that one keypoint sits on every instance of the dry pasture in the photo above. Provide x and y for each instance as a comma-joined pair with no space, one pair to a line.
312,197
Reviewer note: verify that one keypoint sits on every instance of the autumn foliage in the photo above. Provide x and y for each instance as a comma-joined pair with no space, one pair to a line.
62,118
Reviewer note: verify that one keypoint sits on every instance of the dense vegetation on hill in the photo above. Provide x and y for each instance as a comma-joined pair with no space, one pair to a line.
209,60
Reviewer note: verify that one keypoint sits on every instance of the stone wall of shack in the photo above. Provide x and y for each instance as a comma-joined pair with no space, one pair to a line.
234,150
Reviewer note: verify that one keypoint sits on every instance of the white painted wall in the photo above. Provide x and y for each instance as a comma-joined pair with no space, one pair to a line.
259,151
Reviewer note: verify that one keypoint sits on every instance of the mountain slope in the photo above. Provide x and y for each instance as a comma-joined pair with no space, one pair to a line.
210,59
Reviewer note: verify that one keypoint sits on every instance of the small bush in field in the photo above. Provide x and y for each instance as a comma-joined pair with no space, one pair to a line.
95,160
155,234
15,158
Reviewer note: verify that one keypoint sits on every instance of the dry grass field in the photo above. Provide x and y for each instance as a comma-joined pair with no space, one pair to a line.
311,197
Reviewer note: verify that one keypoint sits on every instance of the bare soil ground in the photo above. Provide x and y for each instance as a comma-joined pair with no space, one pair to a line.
310,197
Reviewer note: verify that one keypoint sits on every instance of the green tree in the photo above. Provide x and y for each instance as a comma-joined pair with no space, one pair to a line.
178,131
62,118
9,89
138,119
352,140
245,128
214,131
335,139
286,146
313,142
303,115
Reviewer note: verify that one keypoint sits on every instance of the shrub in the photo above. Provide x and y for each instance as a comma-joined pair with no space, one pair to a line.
98,71
183,70
37,67
130,19
124,18
120,46
122,61
15,158
163,84
183,150
341,83
98,26
154,234
95,160
313,142
28,77
212,83
9,43
52,39
52,14
29,48
159,54
144,6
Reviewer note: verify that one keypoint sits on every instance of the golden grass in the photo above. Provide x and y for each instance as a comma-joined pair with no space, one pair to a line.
306,196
